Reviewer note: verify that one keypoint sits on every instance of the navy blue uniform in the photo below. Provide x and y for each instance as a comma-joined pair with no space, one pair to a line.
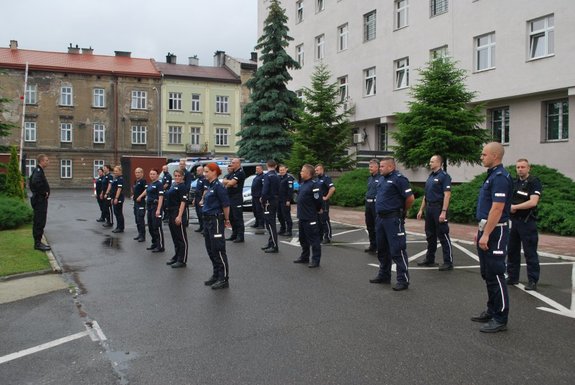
215,200
236,196
39,201
370,213
153,192
270,196
118,184
497,187
524,231
100,186
109,211
177,194
140,208
166,180
309,203
198,194
284,209
392,191
437,184
325,183
257,185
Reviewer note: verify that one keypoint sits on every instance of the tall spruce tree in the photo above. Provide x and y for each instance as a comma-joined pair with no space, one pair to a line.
440,119
14,179
265,124
323,132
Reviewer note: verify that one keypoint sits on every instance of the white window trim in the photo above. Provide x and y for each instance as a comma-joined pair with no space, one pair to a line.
65,168
546,37
174,101
97,164
319,6
433,9
442,52
560,122
175,132
195,133
139,100
343,88
30,131
300,54
401,66
401,13
223,135
504,120
299,12
31,96
342,37
320,47
139,133
30,166
222,104
98,128
196,103
66,129
98,97
66,98
366,78
367,24
488,48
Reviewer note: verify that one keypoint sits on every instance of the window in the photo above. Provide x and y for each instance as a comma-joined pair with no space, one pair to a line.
299,54
99,133
66,96
174,134
31,96
221,136
541,37
557,120
97,165
402,73
342,32
369,26
175,101
320,47
222,104
30,166
66,132
401,19
438,53
29,131
369,79
437,7
66,168
99,98
383,132
139,134
299,11
319,5
343,88
485,52
195,135
500,124
139,100
195,102
299,95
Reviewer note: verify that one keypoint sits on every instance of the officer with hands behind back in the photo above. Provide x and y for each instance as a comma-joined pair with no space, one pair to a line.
39,201
370,196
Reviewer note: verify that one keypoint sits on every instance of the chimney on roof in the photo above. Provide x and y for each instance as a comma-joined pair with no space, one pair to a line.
75,49
219,58
254,56
13,44
194,61
88,51
123,53
171,58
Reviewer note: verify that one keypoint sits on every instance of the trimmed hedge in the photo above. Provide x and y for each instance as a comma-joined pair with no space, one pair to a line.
14,212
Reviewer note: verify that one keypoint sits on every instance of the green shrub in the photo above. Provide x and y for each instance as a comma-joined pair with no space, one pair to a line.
350,188
14,212
2,183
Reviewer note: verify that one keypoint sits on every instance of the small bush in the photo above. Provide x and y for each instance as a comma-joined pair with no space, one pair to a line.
14,212
350,188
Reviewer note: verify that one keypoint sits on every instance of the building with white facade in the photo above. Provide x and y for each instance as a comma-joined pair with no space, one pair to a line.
519,56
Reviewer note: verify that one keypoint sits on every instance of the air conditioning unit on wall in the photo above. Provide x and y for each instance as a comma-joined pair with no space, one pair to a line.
358,138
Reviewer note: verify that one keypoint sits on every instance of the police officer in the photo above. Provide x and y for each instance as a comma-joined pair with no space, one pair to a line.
526,193
198,195
327,189
106,197
154,202
39,201
393,200
235,187
370,196
117,195
257,185
100,185
285,195
270,200
140,204
176,199
166,177
309,204
187,176
216,211
493,207
435,202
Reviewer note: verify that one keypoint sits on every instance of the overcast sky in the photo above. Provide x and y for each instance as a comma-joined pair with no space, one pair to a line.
147,28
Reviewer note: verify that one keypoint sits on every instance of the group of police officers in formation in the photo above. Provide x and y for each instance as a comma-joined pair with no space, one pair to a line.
506,214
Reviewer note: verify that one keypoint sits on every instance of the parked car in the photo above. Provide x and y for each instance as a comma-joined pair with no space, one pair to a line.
247,192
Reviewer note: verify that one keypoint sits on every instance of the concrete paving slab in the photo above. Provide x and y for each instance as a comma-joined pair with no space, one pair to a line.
17,289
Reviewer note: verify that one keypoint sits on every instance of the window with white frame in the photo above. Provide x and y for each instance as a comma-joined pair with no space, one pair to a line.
299,11
29,131
30,166
174,134
369,26
439,53
299,95
222,104
139,134
541,37
500,124
485,52
369,81
99,133
139,100
342,33
31,96
402,73
320,47
195,135
319,5
66,96
401,13
66,132
343,88
221,136
299,54
97,164
437,7
66,168
383,133
557,120
175,101
195,102
99,98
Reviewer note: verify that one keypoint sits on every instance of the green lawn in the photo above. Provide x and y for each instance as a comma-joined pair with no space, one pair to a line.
17,254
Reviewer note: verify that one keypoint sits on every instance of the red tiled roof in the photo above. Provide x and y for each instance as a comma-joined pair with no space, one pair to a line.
78,63
219,74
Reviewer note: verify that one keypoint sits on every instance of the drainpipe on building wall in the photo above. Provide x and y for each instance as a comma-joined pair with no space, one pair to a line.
22,166
116,119
159,125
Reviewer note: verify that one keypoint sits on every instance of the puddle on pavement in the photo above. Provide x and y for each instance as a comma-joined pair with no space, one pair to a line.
81,220
112,242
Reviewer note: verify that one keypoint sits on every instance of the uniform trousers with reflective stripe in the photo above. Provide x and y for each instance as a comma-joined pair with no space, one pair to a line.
119,213
370,215
140,217
391,246
179,236
216,246
237,217
155,227
435,229
270,213
309,239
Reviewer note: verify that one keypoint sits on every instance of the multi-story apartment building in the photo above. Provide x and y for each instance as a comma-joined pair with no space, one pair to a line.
82,110
518,55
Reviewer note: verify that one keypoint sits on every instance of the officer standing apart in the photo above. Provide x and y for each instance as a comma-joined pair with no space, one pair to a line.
493,207
370,196
285,195
107,198
309,204
100,183
117,195
327,190
270,200
140,204
257,185
216,211
435,203
393,200
176,199
526,193
198,195
235,188
39,201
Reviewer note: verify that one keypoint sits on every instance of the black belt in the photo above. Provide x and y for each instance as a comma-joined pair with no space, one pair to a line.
213,215
390,214
435,204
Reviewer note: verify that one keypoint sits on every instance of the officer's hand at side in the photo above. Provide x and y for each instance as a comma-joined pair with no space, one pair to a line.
513,209
483,242
419,214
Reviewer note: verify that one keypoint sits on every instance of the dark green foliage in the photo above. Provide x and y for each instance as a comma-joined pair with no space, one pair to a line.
14,212
2,183
323,132
5,127
440,119
350,188
265,132
14,179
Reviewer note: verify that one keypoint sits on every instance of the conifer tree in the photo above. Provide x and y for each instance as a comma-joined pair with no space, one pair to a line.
14,178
